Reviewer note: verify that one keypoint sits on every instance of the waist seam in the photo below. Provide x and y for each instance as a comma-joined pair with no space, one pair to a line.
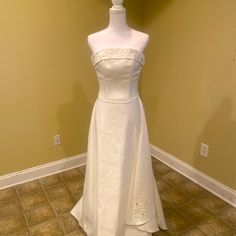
117,101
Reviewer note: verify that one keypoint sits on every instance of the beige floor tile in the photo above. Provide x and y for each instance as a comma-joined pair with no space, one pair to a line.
75,185
74,173
174,178
193,232
156,175
8,208
161,233
76,233
166,207
55,191
162,185
229,215
48,228
176,223
155,160
28,187
32,200
194,212
77,195
161,169
39,214
24,232
7,194
62,205
50,180
191,189
214,227
83,169
174,198
69,223
212,202
12,223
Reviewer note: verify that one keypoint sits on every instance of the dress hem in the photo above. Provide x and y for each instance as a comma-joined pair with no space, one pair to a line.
136,226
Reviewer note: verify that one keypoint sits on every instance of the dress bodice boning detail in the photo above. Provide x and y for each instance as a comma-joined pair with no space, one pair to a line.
118,71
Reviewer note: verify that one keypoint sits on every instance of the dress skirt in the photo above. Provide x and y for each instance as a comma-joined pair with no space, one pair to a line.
120,196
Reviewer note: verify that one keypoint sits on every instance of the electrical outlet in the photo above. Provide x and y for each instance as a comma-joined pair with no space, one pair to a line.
204,150
57,139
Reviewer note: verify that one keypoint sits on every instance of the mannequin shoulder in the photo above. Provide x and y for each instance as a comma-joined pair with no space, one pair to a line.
94,36
95,39
141,36
141,39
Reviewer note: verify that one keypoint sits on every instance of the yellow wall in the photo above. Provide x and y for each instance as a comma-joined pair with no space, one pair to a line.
48,85
189,83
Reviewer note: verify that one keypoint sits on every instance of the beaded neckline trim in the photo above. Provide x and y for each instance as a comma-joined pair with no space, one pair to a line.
129,53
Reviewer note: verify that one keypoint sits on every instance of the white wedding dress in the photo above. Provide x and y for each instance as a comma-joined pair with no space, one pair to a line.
120,196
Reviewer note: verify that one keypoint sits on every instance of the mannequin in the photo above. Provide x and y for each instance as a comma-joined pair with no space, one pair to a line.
120,195
118,34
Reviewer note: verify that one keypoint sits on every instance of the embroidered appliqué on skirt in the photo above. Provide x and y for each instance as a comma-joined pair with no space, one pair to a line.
140,208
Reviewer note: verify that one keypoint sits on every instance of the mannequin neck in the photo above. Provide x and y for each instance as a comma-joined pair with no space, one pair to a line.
117,20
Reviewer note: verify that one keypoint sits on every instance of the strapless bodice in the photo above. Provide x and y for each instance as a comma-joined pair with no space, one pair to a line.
118,71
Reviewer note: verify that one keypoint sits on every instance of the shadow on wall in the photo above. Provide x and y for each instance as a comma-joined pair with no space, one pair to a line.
74,120
220,134
140,12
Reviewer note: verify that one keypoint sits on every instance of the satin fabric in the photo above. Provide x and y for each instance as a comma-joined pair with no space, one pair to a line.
120,196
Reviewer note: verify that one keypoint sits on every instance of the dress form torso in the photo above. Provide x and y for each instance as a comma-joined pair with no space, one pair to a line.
120,195
118,35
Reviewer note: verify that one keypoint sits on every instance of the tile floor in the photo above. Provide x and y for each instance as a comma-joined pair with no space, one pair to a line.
41,207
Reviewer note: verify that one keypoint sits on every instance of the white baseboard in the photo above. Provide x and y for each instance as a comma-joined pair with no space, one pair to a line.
42,171
212,185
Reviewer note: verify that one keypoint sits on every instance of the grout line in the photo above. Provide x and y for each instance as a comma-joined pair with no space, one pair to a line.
72,194
192,227
22,209
231,226
200,230
64,182
54,211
